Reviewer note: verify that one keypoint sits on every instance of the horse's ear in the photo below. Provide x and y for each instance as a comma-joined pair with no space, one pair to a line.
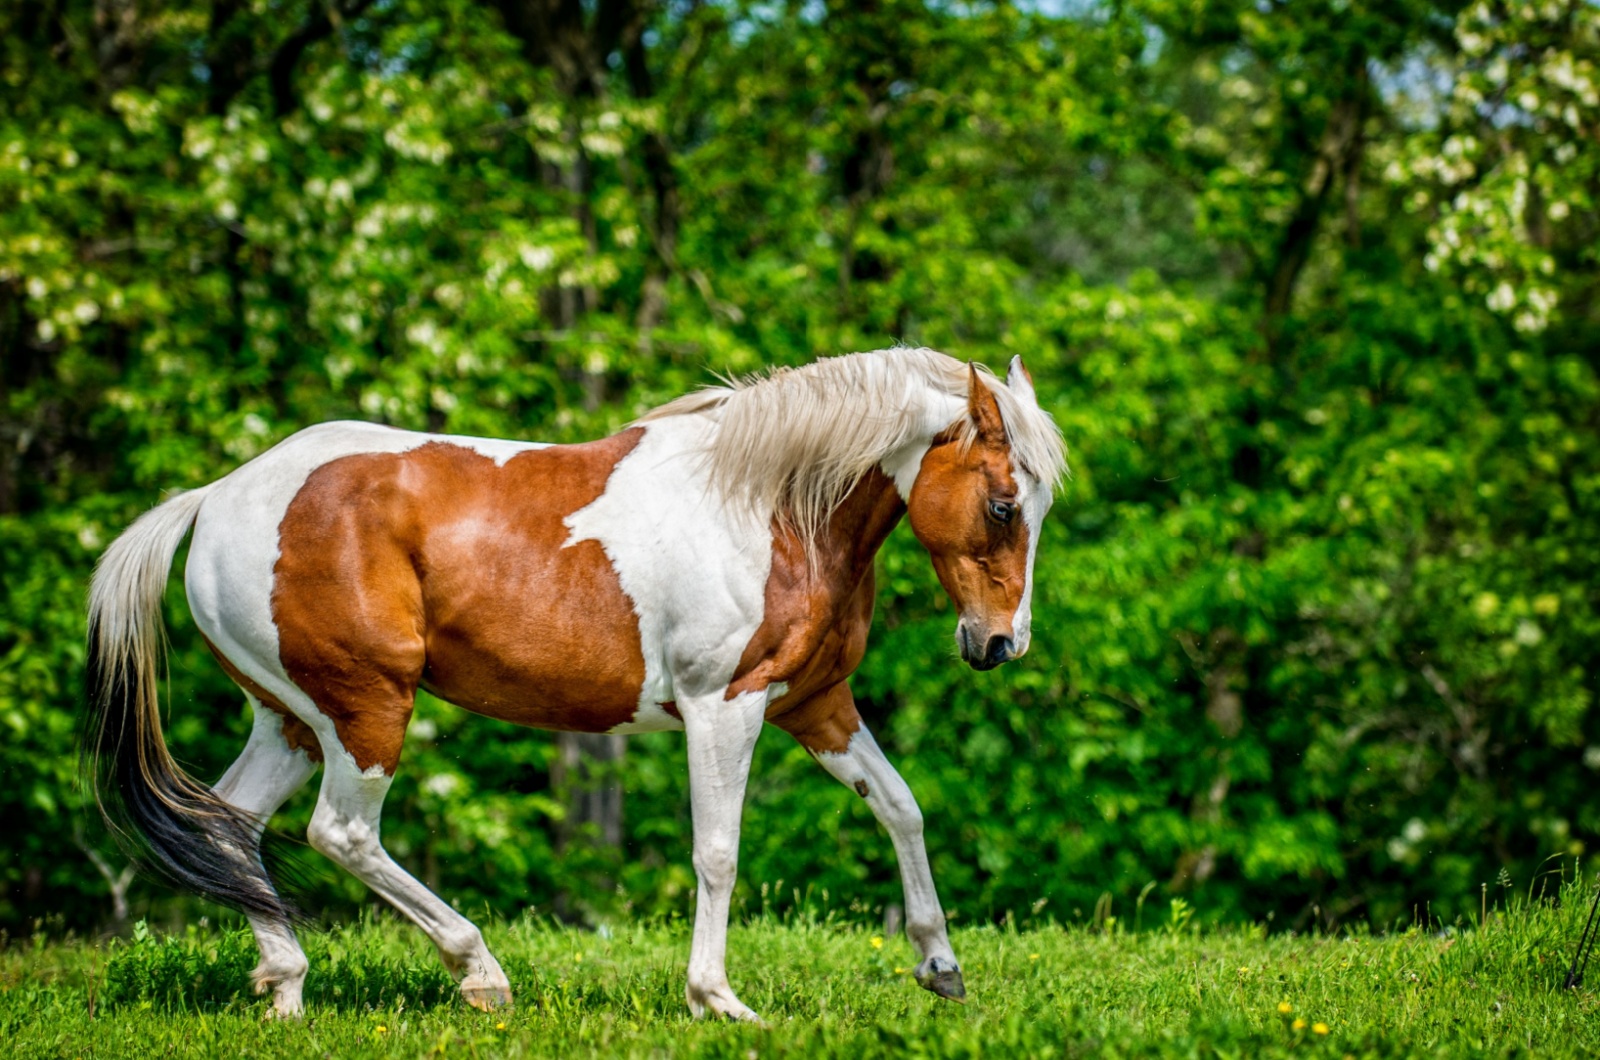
1020,382
983,408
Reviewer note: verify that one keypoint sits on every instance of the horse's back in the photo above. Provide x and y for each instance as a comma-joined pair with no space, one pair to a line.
578,587
236,536
359,562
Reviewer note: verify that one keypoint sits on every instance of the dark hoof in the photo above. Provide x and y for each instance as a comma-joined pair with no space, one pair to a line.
942,977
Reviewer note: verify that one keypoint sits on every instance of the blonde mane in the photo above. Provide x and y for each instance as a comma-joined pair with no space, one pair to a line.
796,441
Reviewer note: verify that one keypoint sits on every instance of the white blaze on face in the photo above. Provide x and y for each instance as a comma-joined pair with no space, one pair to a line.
1034,499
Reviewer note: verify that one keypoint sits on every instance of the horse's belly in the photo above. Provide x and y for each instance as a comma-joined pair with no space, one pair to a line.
588,684
571,659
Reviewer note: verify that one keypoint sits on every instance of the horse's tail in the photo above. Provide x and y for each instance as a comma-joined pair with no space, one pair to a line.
166,820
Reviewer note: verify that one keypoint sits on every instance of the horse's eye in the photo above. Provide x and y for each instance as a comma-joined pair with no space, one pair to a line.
1002,512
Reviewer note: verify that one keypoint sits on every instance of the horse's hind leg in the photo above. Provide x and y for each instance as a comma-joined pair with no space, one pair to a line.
258,782
345,828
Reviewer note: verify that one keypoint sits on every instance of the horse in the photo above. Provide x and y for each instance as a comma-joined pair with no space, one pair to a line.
708,569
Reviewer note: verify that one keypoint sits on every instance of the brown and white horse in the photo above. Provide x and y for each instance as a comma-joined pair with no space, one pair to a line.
708,569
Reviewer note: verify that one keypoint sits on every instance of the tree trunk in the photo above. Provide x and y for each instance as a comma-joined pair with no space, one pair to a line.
574,41
591,801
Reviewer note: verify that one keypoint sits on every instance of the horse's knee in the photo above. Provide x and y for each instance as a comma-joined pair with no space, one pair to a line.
716,862
903,815
340,838
325,836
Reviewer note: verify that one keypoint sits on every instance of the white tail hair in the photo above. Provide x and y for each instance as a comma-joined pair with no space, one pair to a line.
164,818
125,595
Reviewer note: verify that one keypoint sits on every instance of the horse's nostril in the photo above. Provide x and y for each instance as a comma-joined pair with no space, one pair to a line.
998,650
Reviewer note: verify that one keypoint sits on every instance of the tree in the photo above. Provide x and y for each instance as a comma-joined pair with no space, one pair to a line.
1310,287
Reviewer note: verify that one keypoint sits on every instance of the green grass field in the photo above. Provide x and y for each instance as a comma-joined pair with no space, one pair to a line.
826,989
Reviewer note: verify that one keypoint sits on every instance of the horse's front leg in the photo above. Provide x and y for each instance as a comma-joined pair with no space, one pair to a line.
721,735
828,726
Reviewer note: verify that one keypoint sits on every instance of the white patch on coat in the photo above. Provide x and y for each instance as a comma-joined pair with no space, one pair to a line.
939,412
694,567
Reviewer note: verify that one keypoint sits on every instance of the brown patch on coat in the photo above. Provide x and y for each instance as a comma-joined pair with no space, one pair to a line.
824,722
815,621
296,733
671,707
438,568
815,618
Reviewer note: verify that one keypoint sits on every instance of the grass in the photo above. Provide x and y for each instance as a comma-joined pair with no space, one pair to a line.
827,989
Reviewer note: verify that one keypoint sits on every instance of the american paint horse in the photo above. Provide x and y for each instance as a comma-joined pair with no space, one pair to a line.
708,569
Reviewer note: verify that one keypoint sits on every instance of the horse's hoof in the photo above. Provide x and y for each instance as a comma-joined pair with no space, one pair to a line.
942,977
284,1009
285,985
487,998
721,1004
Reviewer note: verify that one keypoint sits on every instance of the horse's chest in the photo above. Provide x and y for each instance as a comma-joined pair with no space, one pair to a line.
808,642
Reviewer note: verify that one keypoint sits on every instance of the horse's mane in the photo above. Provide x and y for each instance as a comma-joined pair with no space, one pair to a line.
796,441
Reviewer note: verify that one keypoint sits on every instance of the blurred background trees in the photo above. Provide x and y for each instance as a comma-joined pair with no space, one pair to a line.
1310,286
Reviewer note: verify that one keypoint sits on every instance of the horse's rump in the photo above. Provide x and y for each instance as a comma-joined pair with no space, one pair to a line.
440,567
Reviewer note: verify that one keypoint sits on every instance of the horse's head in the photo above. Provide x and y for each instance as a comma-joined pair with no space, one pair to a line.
977,509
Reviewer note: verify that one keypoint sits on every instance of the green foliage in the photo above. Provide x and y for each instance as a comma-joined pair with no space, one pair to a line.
1310,288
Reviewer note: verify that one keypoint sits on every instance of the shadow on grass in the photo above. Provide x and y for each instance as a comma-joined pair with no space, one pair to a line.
352,969
210,971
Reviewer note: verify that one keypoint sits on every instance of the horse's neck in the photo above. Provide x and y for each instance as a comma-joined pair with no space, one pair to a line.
858,527
938,411
849,541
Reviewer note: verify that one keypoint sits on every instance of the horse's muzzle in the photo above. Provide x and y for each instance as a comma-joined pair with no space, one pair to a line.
999,649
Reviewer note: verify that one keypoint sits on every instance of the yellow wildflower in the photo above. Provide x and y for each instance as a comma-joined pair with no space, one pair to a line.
1319,1028
877,942
500,1026
1033,956
1284,1008
382,1029
1299,1024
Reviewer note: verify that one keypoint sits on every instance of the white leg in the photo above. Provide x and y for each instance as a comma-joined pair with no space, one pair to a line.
863,767
258,782
721,735
345,828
